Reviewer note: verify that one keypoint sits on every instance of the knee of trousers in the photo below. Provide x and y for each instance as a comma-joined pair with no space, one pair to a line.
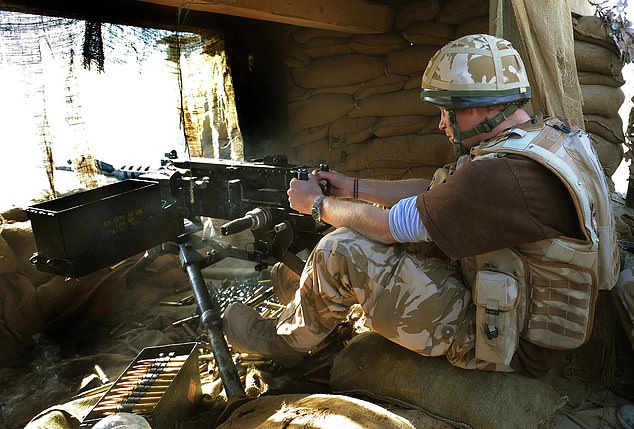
357,248
425,319
340,239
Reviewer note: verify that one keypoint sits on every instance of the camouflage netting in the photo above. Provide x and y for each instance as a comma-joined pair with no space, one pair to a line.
576,72
548,51
63,75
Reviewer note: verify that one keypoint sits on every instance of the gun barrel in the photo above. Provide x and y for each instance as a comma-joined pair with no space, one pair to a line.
254,219
236,225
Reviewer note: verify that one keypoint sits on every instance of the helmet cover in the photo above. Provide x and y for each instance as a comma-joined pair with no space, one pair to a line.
473,71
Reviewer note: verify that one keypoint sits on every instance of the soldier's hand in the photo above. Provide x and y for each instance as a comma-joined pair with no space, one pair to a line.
340,184
302,193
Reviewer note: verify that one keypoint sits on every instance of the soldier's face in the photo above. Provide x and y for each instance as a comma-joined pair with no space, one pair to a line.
466,119
463,121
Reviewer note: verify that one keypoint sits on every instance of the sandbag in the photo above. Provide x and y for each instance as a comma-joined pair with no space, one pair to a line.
414,82
19,307
373,365
13,214
430,33
338,71
417,11
602,100
297,93
14,350
404,151
318,152
64,416
591,78
293,54
309,136
376,44
8,262
592,29
594,58
19,236
610,129
403,103
400,125
412,60
458,11
316,411
347,131
320,109
610,154
382,85
394,173
305,34
479,25
323,47
345,89
61,302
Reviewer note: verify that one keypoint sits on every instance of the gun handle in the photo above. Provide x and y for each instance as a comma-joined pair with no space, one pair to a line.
302,173
325,186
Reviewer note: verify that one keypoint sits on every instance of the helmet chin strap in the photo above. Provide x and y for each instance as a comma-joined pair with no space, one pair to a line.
483,127
458,147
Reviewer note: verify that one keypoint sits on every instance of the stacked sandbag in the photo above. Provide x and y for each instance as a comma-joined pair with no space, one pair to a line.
373,366
599,69
33,302
354,99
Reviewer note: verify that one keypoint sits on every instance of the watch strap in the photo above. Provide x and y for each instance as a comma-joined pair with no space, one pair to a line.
316,209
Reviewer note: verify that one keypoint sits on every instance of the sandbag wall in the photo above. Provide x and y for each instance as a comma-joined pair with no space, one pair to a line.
354,100
599,69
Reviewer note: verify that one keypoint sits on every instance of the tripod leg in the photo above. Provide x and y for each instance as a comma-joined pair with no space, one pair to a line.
211,319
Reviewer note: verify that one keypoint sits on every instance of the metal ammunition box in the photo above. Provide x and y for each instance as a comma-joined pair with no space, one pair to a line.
162,384
81,233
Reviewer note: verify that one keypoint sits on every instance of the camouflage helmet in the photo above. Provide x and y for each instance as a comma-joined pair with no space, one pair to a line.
473,71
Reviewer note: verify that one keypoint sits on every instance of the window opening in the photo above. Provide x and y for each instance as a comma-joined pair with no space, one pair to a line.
77,91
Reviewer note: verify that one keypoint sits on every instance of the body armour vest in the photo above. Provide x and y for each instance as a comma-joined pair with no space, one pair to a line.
545,291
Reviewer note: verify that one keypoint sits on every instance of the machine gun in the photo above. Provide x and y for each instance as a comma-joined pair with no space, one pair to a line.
83,232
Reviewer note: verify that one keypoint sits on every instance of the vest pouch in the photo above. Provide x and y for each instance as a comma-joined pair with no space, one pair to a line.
497,328
561,304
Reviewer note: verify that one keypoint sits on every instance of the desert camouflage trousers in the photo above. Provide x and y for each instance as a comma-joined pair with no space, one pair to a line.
416,301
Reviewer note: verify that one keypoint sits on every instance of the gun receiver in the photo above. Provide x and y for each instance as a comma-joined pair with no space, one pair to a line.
250,195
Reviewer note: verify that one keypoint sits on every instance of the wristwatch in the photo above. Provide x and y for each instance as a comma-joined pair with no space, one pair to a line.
316,210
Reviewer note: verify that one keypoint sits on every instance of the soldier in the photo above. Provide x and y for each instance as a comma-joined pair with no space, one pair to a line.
523,218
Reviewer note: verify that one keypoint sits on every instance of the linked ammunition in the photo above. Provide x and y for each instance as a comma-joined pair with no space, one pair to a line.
179,358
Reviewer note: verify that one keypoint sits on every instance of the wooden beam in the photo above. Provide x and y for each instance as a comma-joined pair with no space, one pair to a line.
348,16
139,14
